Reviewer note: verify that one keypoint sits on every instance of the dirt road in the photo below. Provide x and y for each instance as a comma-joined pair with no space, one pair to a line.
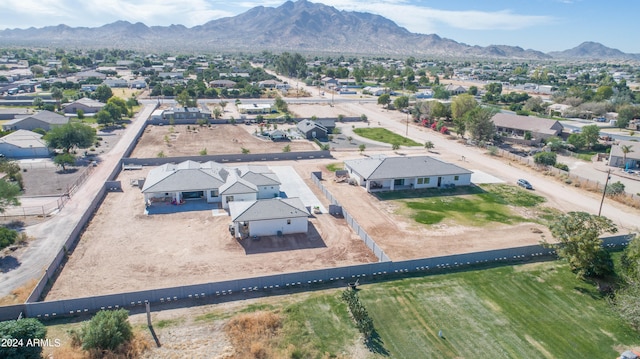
51,235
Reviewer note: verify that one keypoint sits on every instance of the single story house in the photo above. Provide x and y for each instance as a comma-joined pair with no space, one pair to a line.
328,123
401,173
138,84
631,160
277,135
85,75
85,104
45,120
222,84
209,181
455,89
185,113
256,108
23,144
311,129
269,84
116,83
269,217
11,113
517,125
558,109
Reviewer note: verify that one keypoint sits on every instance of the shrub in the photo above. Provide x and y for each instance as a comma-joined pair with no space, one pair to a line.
364,323
7,237
561,166
545,158
23,331
615,189
107,330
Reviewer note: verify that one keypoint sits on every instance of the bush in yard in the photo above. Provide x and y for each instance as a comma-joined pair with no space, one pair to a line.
7,237
18,338
107,330
615,188
561,166
359,313
545,158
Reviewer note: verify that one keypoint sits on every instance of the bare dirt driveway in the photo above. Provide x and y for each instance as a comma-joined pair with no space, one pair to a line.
51,234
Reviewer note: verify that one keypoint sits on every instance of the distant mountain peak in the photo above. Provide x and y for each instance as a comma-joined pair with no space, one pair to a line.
293,26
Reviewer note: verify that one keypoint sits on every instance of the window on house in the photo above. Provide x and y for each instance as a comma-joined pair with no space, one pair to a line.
455,178
427,180
288,221
420,180
398,182
214,193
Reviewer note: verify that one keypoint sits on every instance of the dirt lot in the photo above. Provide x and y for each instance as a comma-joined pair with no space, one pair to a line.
127,250
217,139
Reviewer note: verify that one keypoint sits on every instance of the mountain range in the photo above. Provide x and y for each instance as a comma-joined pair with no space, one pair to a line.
300,26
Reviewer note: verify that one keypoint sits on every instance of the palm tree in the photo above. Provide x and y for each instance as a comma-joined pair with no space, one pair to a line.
428,145
625,150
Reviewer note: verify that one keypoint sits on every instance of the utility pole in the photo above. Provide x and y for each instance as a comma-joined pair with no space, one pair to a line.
406,132
604,191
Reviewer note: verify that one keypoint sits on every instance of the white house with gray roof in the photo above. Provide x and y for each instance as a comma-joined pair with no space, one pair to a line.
402,173
23,144
45,120
209,181
269,217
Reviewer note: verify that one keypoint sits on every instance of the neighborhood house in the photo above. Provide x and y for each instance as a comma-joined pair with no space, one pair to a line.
402,173
517,125
23,144
269,217
45,120
209,181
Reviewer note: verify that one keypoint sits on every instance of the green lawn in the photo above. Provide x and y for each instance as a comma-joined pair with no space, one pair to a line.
537,310
533,310
332,167
384,135
465,205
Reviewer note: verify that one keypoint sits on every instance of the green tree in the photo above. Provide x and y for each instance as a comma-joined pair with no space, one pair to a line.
23,330
630,261
401,102
591,134
281,105
9,193
107,330
7,237
395,146
615,188
462,104
64,159
115,112
119,103
57,94
429,146
384,99
626,113
480,124
38,102
70,135
578,235
185,100
494,88
80,114
103,93
577,141
603,93
362,147
104,118
545,158
287,148
626,149
554,143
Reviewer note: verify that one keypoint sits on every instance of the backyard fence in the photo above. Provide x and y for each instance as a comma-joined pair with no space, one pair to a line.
188,295
316,177
250,157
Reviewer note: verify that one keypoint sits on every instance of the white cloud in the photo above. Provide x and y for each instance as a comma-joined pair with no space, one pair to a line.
426,20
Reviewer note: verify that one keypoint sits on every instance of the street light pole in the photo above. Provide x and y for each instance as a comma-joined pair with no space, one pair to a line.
604,191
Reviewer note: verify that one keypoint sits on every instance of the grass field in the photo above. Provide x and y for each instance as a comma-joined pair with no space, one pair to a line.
384,135
533,310
465,205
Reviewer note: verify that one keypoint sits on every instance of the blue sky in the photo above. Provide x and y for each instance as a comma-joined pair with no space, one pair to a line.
545,25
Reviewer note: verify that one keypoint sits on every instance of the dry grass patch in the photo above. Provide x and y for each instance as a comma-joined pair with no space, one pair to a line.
19,295
253,334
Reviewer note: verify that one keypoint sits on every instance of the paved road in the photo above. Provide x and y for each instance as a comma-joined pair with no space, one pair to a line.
51,234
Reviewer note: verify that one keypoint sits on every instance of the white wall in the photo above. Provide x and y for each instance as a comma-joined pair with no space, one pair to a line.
265,192
238,197
271,227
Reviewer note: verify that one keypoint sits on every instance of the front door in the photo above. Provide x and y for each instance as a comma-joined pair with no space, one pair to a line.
439,181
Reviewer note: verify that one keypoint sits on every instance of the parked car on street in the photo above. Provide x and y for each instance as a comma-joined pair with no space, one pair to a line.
524,184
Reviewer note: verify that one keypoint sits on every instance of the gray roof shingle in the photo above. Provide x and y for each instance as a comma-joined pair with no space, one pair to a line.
265,209
378,168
